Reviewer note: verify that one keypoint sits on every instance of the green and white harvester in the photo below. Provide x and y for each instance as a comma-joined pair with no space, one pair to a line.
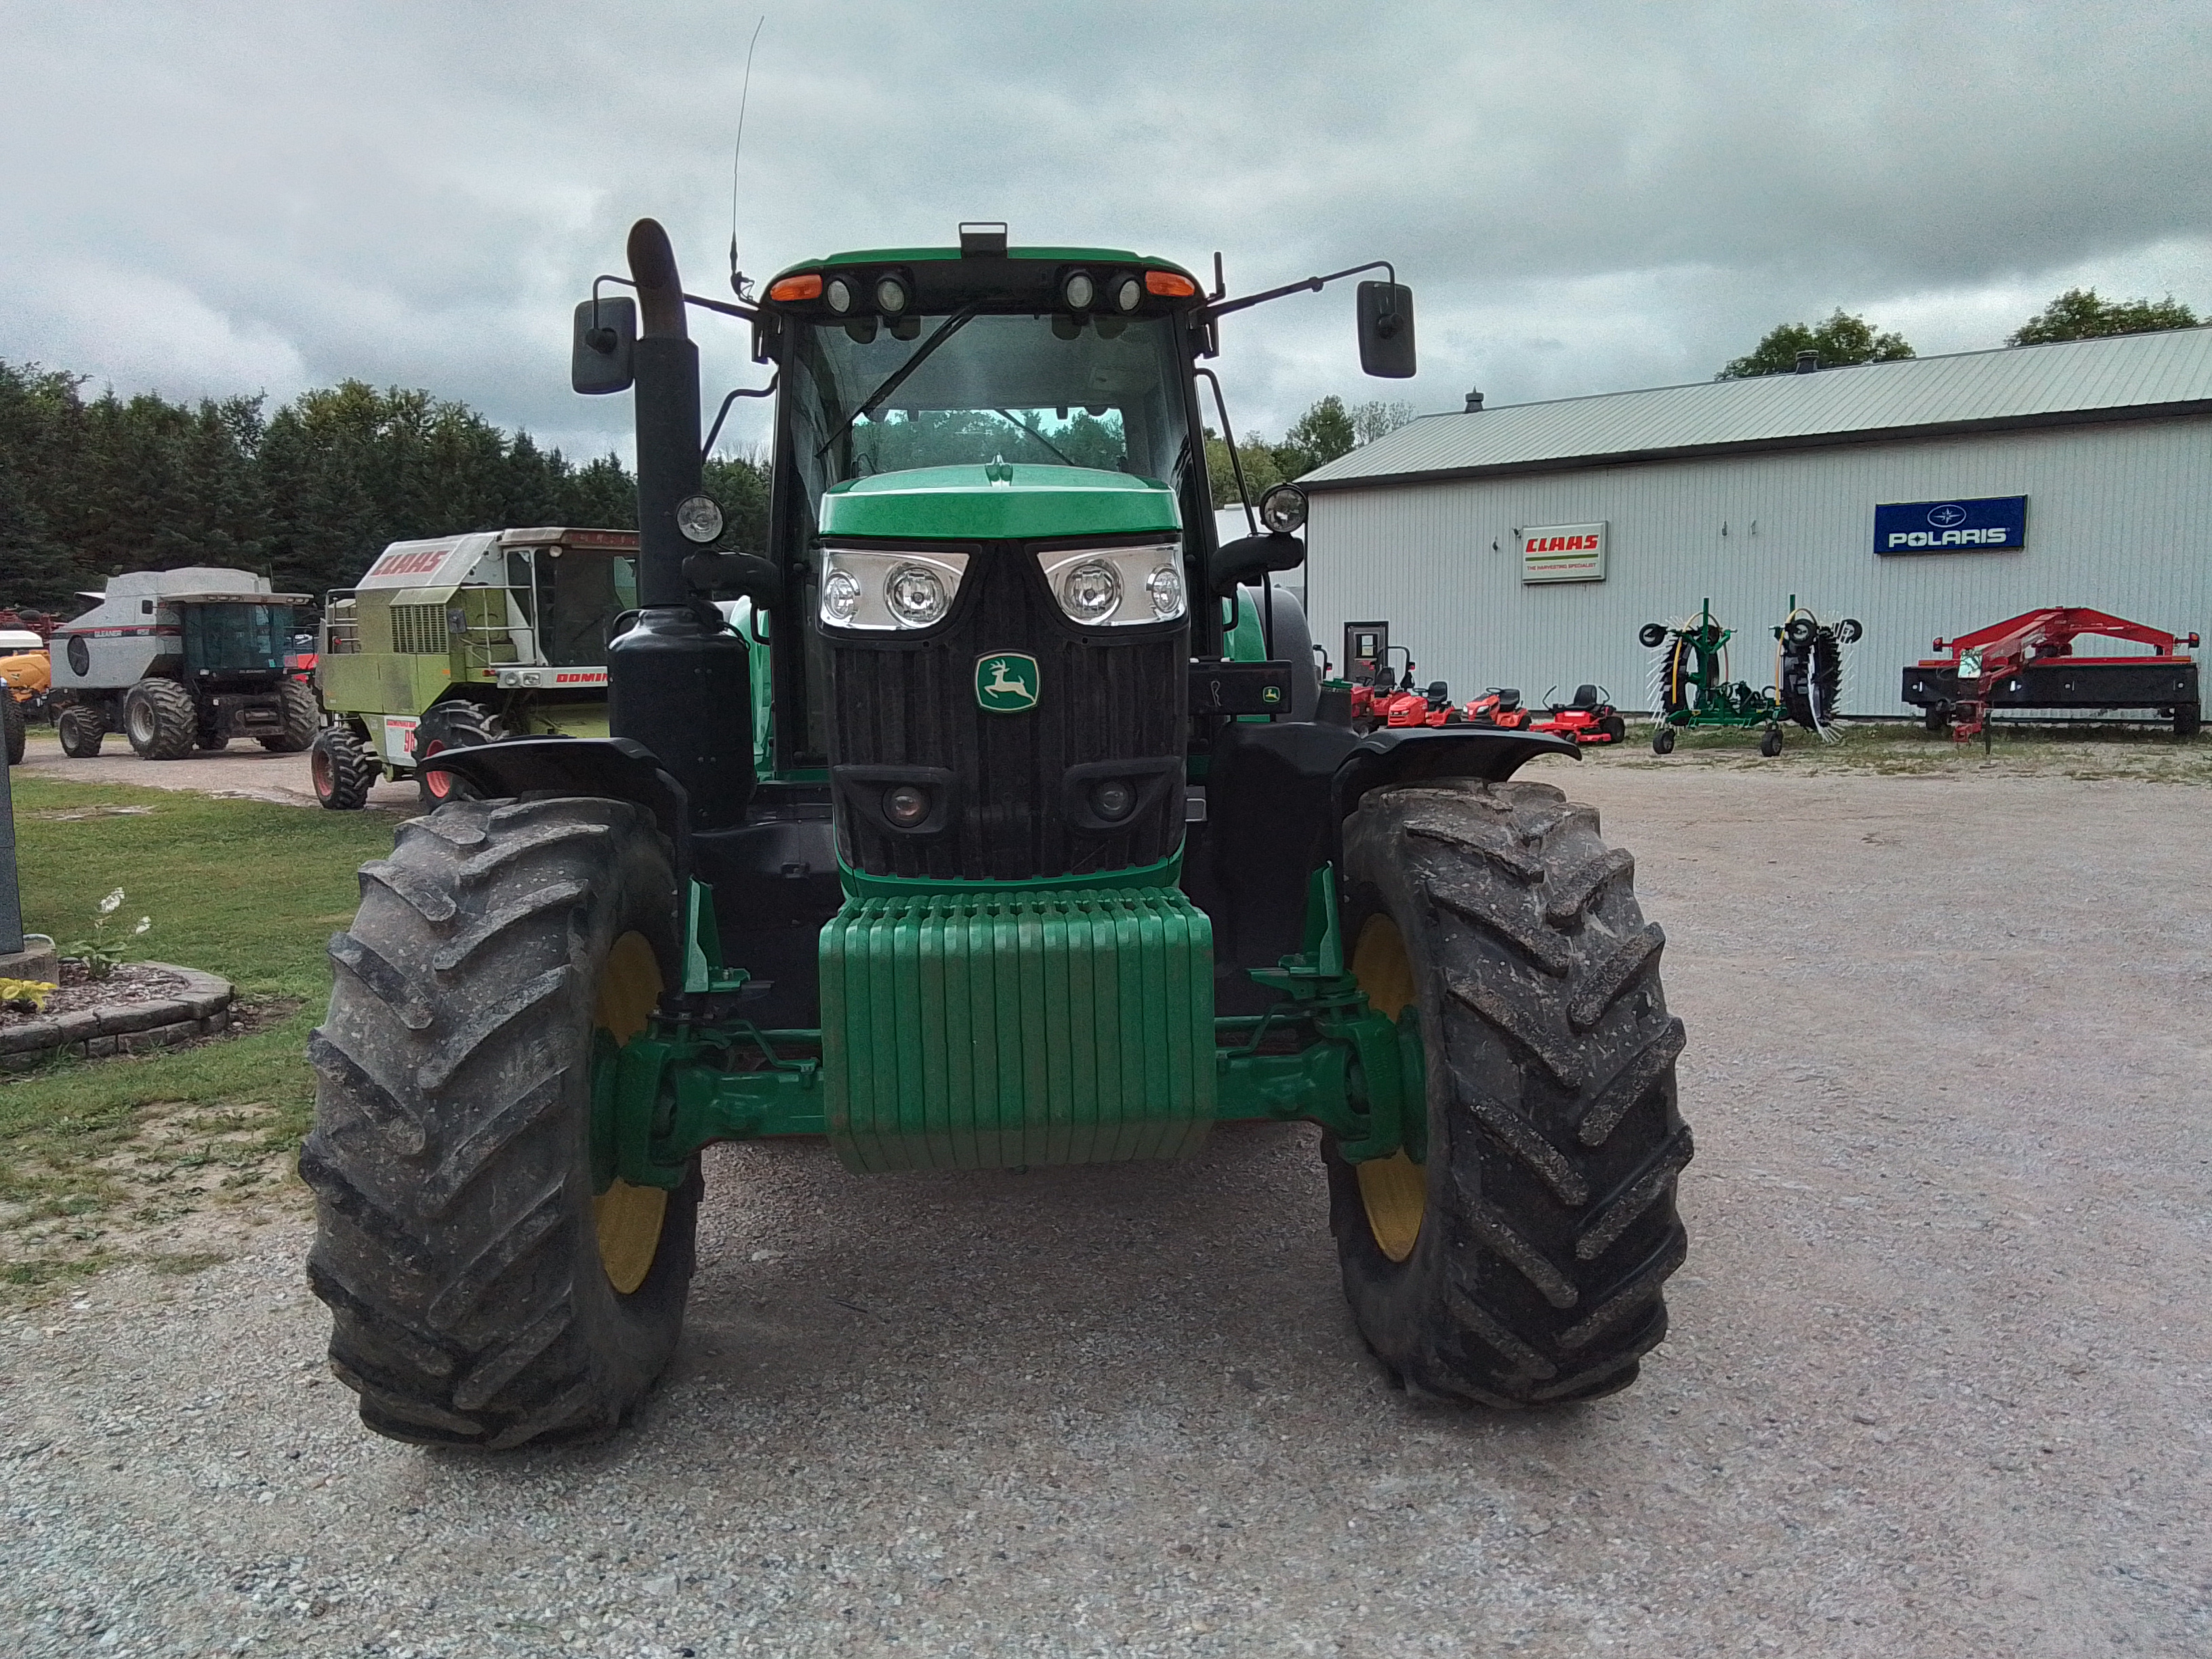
985,822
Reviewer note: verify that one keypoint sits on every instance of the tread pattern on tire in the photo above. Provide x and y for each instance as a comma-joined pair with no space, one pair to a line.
18,728
1554,1141
352,773
81,727
174,715
455,1244
302,715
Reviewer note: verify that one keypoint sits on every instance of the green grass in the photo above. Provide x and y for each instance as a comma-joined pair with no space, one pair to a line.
2147,752
249,890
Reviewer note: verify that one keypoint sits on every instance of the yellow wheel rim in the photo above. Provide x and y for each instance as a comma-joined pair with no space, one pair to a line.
628,1218
1394,1189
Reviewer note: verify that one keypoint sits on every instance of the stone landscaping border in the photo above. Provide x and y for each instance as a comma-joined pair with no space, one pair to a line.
201,1009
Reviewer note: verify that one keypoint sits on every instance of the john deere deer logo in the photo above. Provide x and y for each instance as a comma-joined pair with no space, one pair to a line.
1006,682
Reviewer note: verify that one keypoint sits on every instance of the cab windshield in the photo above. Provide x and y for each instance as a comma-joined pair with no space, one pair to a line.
1045,391
236,636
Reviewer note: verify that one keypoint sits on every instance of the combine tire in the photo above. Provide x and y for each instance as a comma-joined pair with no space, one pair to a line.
17,730
342,774
481,1293
302,715
1523,1262
448,726
80,727
160,720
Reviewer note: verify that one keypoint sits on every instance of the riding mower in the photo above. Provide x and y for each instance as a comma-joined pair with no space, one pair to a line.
1590,717
1501,706
994,829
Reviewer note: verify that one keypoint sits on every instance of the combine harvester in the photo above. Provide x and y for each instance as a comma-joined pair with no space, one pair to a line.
2028,662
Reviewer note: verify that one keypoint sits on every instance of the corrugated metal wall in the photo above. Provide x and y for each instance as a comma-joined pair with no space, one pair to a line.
2119,518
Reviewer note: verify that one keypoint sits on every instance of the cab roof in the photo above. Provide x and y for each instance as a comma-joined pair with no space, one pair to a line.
903,256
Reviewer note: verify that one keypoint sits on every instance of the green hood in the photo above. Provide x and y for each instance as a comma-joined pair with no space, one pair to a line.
1002,501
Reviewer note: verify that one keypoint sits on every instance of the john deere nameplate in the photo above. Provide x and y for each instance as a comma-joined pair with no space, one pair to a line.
1006,682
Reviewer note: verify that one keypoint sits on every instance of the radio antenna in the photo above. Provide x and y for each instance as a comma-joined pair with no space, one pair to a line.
737,278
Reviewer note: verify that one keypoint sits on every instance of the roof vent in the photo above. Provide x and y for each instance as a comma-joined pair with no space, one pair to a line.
1807,361
1473,403
985,240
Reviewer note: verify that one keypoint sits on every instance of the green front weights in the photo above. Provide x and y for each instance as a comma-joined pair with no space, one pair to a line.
992,1029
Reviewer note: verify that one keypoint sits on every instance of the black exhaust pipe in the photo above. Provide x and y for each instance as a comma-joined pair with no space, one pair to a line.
678,679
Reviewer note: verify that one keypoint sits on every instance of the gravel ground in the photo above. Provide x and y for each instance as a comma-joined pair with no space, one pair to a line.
1939,1382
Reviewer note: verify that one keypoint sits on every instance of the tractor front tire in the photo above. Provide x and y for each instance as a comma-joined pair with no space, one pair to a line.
160,720
81,726
341,771
302,715
483,1294
1522,1263
17,728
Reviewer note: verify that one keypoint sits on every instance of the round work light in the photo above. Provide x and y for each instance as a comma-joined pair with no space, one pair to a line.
698,518
837,294
1079,291
916,595
890,295
1091,592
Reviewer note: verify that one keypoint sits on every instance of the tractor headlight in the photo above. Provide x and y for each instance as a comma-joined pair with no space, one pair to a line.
1079,291
1116,587
882,589
890,295
916,596
1091,592
1282,509
1128,294
837,294
841,596
1165,586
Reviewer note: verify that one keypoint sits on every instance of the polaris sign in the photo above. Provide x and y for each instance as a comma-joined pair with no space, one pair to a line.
1955,526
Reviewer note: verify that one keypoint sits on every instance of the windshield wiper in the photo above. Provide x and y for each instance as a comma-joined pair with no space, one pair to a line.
1023,426
897,377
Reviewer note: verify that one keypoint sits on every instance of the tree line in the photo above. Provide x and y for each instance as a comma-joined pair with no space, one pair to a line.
2078,313
1325,431
307,496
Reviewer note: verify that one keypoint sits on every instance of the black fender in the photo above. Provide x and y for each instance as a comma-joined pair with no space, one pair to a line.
1412,754
1277,798
616,768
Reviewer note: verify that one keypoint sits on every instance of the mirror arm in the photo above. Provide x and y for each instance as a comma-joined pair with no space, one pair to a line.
750,313
1236,465
723,413
1310,285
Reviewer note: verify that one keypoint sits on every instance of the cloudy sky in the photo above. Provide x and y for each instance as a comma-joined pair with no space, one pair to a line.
266,196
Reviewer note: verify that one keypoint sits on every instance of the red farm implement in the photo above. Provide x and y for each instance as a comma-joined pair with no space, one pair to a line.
2029,662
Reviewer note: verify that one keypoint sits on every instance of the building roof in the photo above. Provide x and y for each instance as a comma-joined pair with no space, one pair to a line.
2123,377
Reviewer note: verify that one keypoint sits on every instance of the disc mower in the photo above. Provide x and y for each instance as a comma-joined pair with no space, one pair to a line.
2028,662
996,830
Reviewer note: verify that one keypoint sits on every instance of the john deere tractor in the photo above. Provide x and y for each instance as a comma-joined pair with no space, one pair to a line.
983,822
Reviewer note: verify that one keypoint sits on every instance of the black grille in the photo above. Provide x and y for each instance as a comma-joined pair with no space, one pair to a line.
910,703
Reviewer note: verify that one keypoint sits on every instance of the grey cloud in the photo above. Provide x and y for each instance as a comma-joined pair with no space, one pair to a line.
1585,195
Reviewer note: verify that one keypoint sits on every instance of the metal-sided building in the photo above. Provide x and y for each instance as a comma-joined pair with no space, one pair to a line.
1524,545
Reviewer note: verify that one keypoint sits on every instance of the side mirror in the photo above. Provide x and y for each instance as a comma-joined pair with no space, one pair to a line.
1386,330
601,346
1249,558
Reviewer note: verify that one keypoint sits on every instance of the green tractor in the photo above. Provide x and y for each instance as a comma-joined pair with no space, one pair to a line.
983,823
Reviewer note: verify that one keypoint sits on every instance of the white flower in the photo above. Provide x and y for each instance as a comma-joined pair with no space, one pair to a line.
144,922
109,905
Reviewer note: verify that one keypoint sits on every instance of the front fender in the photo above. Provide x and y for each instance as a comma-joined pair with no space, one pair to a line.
1410,754
619,768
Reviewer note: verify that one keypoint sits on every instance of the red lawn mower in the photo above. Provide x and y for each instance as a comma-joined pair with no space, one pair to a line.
1590,717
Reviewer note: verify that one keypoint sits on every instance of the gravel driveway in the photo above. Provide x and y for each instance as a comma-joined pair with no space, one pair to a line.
1940,1380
